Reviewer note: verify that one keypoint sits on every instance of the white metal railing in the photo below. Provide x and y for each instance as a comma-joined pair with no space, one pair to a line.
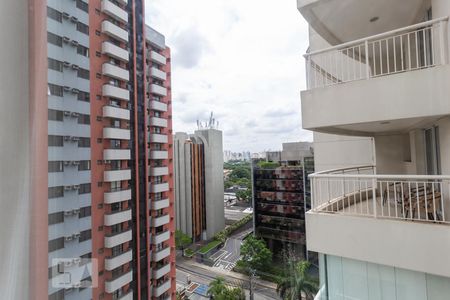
418,46
360,191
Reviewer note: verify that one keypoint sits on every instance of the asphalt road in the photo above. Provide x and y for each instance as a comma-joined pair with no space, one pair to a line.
204,276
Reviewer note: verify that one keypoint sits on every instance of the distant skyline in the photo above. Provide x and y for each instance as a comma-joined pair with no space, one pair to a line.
240,59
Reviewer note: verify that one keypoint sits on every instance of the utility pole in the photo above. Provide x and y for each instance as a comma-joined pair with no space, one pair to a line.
251,278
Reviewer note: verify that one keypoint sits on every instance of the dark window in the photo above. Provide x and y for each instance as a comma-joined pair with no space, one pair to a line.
55,141
54,39
86,256
55,115
84,142
83,6
54,64
83,28
82,50
84,165
59,295
55,192
55,90
83,73
85,188
55,166
83,96
85,235
85,212
56,218
54,14
55,244
84,119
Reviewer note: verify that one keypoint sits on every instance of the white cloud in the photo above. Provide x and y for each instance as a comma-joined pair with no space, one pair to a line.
240,59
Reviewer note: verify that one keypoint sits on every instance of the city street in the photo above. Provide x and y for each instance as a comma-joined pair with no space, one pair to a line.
202,274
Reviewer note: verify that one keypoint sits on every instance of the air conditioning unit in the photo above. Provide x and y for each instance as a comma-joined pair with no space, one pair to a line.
76,285
68,213
74,19
74,43
75,91
67,263
66,64
75,114
67,162
66,39
67,137
76,187
75,67
75,163
67,187
106,161
68,238
65,15
76,260
76,235
74,139
66,88
76,211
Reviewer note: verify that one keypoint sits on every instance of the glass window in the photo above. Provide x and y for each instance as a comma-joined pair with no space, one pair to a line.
85,235
84,142
56,218
54,39
83,73
54,14
83,96
84,165
85,188
55,192
55,244
55,115
81,27
85,212
84,119
82,50
82,5
55,166
54,64
55,141
55,90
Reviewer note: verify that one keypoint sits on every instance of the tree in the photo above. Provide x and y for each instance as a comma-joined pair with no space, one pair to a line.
244,195
182,240
255,254
297,283
218,290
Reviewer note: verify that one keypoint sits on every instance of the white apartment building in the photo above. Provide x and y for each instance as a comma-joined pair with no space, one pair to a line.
378,102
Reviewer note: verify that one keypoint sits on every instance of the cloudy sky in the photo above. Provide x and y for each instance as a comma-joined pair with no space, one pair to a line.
241,59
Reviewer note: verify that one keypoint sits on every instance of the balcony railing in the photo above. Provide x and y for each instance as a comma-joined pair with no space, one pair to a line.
414,47
359,191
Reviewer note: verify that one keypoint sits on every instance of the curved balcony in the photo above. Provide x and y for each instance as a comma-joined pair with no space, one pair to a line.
114,11
157,89
158,106
116,72
158,273
162,288
161,220
158,58
117,175
159,154
157,73
114,51
114,31
158,171
119,260
116,133
161,237
116,154
117,217
116,112
160,204
161,254
395,220
116,283
117,196
159,122
109,90
159,187
118,238
158,138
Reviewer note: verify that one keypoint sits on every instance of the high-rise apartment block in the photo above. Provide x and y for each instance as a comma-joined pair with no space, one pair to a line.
377,99
97,102
281,195
198,170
